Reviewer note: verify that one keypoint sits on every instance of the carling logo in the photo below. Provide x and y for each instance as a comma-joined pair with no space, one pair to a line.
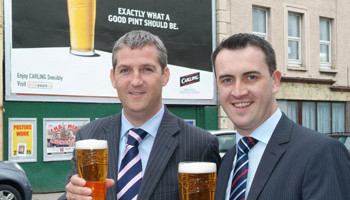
189,79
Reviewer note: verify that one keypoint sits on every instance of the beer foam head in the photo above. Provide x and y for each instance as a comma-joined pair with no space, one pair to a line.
91,144
197,167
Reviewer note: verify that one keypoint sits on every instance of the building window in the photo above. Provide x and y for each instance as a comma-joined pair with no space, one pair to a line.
259,21
338,120
325,43
294,39
308,116
324,117
292,110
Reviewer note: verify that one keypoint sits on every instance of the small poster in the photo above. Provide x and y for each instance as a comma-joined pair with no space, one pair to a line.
59,137
22,139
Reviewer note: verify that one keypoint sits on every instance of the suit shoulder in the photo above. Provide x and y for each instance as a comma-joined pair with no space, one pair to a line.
308,133
97,126
192,129
188,129
315,139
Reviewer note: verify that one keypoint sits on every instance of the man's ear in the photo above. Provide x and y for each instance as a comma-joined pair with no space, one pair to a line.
166,75
276,78
113,79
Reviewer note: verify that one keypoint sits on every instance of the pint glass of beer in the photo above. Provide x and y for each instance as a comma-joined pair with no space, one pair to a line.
197,180
82,14
92,157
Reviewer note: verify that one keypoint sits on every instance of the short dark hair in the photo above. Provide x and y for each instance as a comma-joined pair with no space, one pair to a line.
243,40
138,39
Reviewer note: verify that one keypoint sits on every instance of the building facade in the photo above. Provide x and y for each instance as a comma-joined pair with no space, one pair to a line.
311,45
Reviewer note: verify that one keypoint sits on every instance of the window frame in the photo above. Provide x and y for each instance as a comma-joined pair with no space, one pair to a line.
328,64
299,107
261,34
295,62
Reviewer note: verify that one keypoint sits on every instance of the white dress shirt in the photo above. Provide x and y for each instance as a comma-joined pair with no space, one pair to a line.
263,134
145,147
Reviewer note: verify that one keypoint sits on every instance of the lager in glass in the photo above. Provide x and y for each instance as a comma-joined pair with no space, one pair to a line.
197,180
92,157
82,14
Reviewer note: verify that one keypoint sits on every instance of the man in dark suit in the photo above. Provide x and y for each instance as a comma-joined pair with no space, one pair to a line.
276,158
139,73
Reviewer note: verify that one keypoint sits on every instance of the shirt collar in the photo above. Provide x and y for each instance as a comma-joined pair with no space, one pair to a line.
151,126
264,132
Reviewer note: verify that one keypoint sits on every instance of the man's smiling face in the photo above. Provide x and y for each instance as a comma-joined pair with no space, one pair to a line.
246,87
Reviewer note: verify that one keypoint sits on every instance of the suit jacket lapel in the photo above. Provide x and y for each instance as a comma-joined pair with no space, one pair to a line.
224,173
273,152
112,130
162,150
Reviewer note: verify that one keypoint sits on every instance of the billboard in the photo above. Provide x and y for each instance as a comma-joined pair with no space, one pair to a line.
61,50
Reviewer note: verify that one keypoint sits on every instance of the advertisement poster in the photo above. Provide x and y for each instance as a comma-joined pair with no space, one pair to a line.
61,50
22,139
59,137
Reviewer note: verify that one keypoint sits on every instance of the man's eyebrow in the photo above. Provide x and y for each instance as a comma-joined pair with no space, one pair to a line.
225,76
245,73
251,72
119,66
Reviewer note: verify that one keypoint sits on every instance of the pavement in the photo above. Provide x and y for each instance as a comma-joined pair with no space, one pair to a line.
46,196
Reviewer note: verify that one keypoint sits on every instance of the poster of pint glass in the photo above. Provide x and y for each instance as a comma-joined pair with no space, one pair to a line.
62,50
59,137
22,139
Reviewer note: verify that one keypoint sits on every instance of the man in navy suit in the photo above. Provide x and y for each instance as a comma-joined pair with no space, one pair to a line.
139,73
288,161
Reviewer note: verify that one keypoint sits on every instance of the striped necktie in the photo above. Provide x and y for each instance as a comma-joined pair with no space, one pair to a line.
130,173
240,174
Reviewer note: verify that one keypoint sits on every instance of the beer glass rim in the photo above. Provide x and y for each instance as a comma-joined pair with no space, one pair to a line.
196,167
91,144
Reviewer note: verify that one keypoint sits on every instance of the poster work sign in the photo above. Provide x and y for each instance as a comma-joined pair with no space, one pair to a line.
22,139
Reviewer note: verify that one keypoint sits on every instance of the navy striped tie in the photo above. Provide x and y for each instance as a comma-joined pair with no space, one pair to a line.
130,173
240,174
